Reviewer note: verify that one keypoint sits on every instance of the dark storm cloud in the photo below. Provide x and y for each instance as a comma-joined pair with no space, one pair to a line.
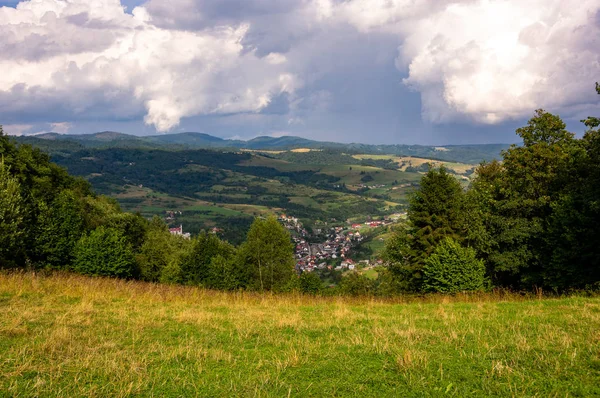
436,71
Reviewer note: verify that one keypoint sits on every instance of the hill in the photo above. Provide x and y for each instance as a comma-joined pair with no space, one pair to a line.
226,188
191,140
76,336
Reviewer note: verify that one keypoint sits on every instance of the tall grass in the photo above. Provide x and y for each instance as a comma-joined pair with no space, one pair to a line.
67,335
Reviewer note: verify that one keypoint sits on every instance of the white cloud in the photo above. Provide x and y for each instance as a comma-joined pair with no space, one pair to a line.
491,60
486,61
171,73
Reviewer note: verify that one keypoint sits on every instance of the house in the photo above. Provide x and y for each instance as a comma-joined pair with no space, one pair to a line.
178,231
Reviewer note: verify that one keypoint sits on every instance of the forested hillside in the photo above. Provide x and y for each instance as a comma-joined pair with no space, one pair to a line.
191,140
50,220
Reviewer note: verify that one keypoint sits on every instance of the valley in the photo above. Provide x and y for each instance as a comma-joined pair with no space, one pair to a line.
186,180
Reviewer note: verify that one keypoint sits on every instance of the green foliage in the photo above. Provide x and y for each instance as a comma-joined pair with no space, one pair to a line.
519,198
60,225
387,283
196,265
224,273
268,255
367,178
434,212
452,268
133,227
310,283
11,217
104,252
171,273
401,260
357,284
160,250
531,220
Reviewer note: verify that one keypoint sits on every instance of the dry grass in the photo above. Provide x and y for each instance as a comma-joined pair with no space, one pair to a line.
68,335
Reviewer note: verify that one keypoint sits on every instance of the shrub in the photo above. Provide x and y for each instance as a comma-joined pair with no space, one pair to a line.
310,283
104,252
452,268
223,274
171,273
356,284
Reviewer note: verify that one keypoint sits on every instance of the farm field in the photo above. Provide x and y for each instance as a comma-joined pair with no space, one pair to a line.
68,335
408,161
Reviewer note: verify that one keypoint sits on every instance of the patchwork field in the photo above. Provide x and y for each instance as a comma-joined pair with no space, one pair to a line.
409,161
74,336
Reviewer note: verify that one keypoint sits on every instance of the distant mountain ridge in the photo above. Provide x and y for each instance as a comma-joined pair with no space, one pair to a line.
473,153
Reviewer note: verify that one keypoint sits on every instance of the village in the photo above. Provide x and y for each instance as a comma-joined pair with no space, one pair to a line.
333,249
334,252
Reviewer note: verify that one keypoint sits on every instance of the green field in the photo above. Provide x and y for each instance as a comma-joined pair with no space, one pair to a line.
74,336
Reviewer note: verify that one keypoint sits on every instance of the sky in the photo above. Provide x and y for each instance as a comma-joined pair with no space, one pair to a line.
431,72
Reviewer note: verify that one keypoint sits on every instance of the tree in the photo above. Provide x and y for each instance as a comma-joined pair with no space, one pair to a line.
171,273
104,252
160,250
572,233
11,217
356,284
268,255
310,283
452,268
400,259
593,122
59,228
195,265
434,212
223,274
133,227
534,178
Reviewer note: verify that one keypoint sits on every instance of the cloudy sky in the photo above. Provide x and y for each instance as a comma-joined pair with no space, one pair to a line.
374,71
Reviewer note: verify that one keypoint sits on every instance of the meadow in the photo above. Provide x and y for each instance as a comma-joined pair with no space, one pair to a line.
68,335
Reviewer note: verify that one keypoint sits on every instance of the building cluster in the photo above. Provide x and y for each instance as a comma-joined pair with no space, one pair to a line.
293,224
178,231
337,245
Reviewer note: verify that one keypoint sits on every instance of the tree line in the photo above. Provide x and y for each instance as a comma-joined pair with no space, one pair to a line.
530,220
50,220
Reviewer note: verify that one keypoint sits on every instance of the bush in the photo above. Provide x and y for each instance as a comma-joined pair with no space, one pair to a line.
171,273
310,283
104,252
452,268
355,284
223,274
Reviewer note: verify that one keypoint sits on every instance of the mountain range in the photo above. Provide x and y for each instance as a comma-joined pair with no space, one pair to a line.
54,142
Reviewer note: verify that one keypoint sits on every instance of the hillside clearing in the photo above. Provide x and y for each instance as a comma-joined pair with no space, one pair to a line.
74,336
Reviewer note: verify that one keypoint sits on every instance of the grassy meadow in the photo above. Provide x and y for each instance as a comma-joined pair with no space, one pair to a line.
67,335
